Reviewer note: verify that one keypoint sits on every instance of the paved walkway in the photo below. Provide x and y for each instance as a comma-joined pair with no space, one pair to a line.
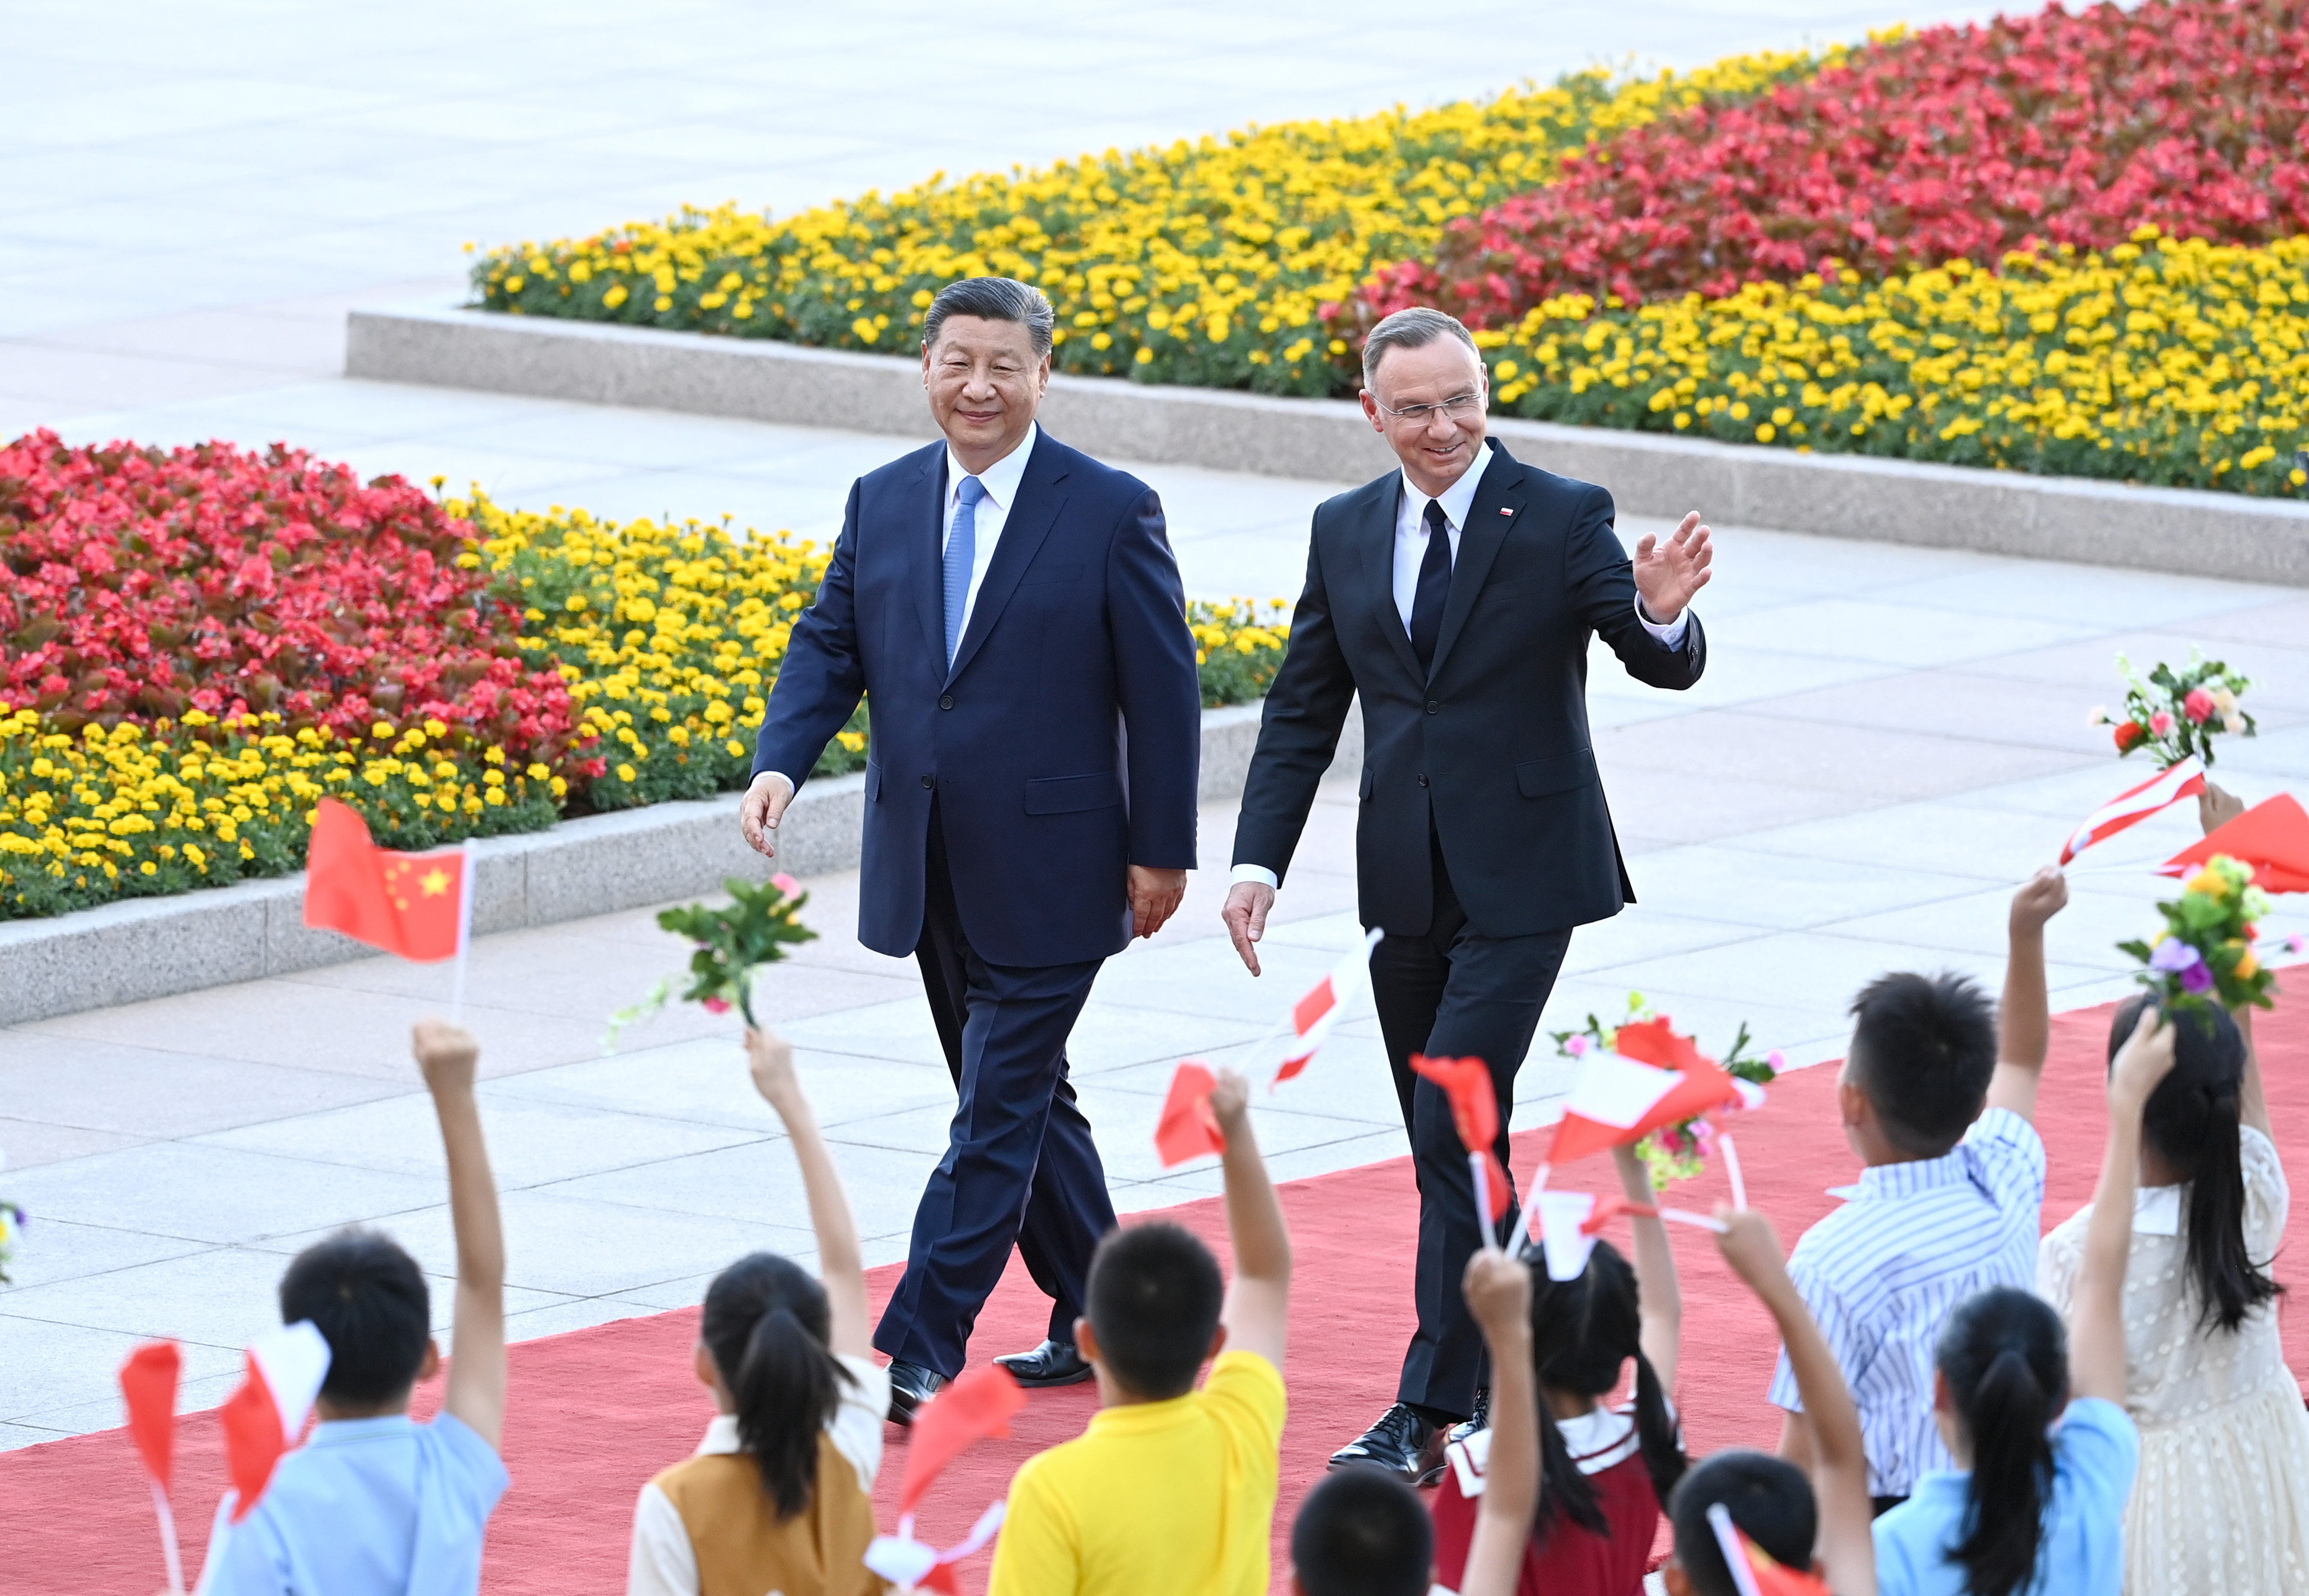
1886,740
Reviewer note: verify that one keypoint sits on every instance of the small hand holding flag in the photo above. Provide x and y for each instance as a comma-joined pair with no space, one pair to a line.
1188,1129
2272,837
978,1404
147,1386
1312,1016
1475,1115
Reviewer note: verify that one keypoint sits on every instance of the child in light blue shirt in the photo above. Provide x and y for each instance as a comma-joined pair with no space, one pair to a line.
376,1503
2034,1413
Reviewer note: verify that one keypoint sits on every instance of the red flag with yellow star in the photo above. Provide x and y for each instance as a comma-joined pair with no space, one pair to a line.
412,904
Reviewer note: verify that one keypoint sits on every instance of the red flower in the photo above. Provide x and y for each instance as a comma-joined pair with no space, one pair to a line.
2198,705
2129,733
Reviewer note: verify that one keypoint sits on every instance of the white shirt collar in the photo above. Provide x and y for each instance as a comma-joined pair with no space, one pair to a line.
1455,499
720,1436
1000,479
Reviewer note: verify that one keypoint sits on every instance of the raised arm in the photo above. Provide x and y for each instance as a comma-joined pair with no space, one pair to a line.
1258,1312
1602,584
1662,1336
1836,1458
2024,1024
840,1265
1498,1289
449,1056
2096,1307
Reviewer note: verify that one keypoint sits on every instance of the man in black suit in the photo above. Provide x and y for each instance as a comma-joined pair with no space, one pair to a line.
1456,596
1011,610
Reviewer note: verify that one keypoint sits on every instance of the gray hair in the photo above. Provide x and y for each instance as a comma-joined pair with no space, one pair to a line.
1412,329
994,300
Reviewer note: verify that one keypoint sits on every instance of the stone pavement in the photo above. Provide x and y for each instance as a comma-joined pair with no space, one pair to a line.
191,196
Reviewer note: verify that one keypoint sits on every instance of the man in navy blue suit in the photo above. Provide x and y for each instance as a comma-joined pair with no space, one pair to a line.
1011,611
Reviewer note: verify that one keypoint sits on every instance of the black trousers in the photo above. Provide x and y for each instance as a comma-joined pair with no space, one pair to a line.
1454,993
1020,1166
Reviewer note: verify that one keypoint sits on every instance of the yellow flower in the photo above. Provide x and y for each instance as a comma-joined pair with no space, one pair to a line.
2208,882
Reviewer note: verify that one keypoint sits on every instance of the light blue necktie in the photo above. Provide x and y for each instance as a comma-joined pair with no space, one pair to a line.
961,553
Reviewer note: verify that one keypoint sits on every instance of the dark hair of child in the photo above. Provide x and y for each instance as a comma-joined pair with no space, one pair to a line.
1155,1299
1583,1333
767,1325
368,1299
2190,1120
1362,1534
2005,1358
1770,1502
1923,1048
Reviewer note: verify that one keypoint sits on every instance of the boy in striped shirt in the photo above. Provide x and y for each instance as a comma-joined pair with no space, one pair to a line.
1937,1096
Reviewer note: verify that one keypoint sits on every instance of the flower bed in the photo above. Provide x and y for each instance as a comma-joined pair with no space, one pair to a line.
645,651
2165,361
1202,263
1952,143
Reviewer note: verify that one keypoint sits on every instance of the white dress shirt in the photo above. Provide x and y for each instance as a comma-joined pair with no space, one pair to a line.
1411,537
1001,481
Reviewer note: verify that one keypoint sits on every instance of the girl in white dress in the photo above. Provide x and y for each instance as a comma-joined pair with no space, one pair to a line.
2221,1503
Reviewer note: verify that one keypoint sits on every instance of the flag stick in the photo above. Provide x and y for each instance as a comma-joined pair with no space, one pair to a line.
1685,1216
1484,1226
1735,1556
1732,1169
465,885
168,1539
1522,1231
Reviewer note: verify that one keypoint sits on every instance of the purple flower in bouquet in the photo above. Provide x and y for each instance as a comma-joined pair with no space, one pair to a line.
2175,957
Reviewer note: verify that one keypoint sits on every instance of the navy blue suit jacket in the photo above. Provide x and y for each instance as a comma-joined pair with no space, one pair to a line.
1063,747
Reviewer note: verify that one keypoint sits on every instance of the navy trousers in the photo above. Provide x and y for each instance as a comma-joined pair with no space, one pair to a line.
1453,993
1020,1166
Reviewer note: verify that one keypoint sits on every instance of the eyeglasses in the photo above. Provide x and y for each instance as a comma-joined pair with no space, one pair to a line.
1459,407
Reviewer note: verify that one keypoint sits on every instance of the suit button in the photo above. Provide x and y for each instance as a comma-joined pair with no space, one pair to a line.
932,780
945,700
1432,706
1423,780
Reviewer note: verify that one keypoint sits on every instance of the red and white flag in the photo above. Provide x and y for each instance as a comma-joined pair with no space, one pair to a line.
1754,1571
2129,808
1625,1095
263,1417
1313,1016
976,1405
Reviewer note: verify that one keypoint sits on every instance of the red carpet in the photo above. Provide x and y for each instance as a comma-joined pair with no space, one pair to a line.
596,1413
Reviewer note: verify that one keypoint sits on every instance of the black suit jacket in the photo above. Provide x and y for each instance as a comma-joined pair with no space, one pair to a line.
1492,747
1064,743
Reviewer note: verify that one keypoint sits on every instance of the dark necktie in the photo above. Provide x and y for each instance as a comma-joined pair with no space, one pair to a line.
1434,590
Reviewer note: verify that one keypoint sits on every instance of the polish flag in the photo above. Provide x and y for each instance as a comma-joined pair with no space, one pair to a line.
977,1405
1313,1016
417,905
1186,1129
2272,837
263,1417
2131,807
1754,1571
1655,1078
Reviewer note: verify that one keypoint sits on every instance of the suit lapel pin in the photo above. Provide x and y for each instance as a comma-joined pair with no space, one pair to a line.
1505,511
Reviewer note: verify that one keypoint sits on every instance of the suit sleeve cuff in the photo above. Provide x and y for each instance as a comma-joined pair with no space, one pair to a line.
1670,637
1258,873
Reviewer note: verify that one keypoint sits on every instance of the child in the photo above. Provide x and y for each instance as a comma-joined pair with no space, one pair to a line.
376,1503
2048,1454
2223,1503
1606,1469
1950,1200
1171,1488
1363,1532
778,1496
1817,1525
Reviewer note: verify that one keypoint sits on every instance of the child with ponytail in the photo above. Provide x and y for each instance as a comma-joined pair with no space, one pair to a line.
2033,1413
778,1496
1604,1469
2223,1503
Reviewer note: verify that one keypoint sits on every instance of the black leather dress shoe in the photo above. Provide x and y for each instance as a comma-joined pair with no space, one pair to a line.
1401,1444
911,1386
1053,1363
1480,1421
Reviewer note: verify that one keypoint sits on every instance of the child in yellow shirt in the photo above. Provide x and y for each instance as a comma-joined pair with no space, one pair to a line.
1170,1492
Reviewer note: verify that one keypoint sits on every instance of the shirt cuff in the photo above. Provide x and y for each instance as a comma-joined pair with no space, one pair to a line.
1258,873
1670,635
791,788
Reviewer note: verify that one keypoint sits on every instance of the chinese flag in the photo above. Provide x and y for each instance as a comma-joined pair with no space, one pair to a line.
1188,1129
412,904
2272,837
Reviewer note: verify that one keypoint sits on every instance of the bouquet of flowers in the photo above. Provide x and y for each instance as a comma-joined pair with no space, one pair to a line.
1675,1151
12,1221
2174,714
734,943
2206,947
